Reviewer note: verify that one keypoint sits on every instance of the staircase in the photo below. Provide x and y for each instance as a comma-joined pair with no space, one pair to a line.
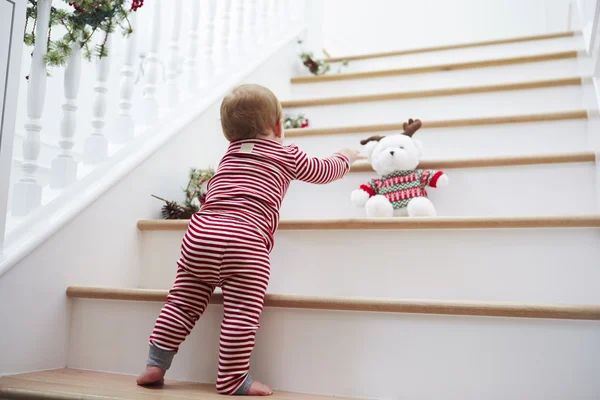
496,298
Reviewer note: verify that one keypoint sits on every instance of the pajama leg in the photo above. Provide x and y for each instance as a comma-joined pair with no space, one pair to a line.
185,304
245,274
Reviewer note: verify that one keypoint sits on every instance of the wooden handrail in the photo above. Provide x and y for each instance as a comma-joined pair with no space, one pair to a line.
452,47
438,307
525,222
511,161
456,123
436,68
365,98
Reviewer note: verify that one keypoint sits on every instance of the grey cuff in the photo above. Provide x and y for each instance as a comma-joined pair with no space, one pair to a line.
160,358
243,390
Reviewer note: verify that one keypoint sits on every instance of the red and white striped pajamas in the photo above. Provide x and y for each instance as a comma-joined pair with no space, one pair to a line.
227,245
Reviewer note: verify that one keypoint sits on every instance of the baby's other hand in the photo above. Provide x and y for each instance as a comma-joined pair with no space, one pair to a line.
353,155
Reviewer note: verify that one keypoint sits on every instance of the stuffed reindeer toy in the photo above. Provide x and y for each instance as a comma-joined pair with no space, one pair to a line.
400,188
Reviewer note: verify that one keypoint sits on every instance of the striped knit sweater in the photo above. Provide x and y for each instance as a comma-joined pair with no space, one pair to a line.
402,186
254,175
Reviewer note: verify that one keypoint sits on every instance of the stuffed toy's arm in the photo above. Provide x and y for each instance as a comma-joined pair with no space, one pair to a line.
435,179
360,196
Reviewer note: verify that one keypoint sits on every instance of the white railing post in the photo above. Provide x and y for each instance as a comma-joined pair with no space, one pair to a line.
191,64
237,26
208,12
173,65
27,193
11,50
95,147
150,103
124,124
222,37
263,21
64,166
249,33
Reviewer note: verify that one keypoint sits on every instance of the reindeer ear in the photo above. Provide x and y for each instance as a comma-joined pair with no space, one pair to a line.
370,143
411,127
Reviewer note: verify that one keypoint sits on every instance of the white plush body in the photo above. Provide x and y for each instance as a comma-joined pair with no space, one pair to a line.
393,154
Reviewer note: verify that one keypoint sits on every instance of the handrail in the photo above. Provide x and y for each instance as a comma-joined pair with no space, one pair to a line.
361,304
526,222
436,68
519,39
452,123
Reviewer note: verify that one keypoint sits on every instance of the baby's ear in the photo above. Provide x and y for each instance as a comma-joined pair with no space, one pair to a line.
419,146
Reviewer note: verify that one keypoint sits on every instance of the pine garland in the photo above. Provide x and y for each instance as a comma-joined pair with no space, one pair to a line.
298,121
195,192
88,18
318,67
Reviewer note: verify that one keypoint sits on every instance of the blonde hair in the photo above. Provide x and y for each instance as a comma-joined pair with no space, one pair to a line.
248,112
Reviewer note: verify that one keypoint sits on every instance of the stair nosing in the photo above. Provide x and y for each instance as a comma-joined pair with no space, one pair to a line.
457,123
416,94
437,68
363,304
394,53
430,223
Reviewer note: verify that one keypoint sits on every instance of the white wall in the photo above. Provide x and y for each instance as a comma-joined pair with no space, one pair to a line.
100,246
359,26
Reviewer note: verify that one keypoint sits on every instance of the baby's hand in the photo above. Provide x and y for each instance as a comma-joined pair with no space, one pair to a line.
352,154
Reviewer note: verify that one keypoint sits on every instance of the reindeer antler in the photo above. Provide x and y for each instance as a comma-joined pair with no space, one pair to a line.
371,139
411,127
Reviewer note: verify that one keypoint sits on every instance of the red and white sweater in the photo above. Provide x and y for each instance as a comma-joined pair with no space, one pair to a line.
402,186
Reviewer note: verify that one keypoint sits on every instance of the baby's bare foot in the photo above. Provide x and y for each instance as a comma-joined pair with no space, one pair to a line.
259,389
151,376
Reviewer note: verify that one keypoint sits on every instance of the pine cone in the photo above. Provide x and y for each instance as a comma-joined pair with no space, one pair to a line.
172,210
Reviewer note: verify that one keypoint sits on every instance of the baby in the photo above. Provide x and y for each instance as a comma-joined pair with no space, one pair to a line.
227,243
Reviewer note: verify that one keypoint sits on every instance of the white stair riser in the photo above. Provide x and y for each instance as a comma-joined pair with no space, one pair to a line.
471,141
533,265
496,191
465,55
376,356
448,79
447,107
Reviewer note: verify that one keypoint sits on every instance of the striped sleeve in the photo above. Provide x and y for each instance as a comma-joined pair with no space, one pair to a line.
430,177
320,170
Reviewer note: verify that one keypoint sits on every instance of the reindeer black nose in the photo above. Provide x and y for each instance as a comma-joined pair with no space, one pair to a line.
392,152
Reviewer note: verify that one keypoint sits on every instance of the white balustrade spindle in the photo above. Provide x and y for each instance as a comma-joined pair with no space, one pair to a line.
222,38
237,29
208,12
150,103
249,33
173,64
263,21
191,63
64,166
124,124
27,193
95,147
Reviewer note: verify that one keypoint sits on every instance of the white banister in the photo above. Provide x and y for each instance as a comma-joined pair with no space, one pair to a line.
64,166
222,38
191,63
263,21
173,64
12,24
125,125
249,33
237,29
150,103
95,147
208,12
27,193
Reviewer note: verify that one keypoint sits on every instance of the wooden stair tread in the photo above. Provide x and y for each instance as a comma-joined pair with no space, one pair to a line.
455,123
72,384
524,222
437,68
507,161
548,83
520,39
362,304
